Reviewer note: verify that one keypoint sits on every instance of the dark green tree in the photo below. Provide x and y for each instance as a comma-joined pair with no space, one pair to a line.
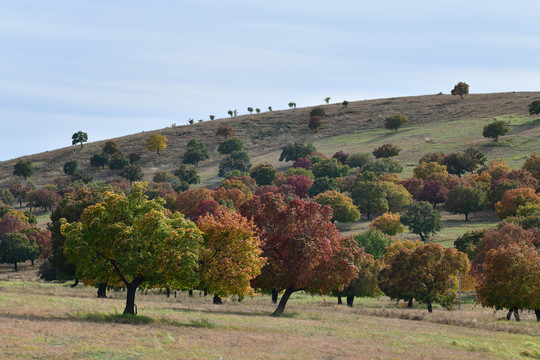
195,152
467,242
331,168
374,242
110,148
369,196
70,167
394,122
496,129
16,247
79,138
188,174
422,219
293,152
238,160
460,89
23,168
118,162
383,166
386,151
99,160
264,174
230,146
534,107
464,200
358,160
132,173
320,185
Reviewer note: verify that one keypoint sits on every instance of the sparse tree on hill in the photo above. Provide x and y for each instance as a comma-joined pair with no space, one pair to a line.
230,112
118,162
318,111
534,107
327,99
238,160
229,146
188,174
101,159
132,173
79,138
496,129
23,168
292,152
110,148
134,158
70,167
460,89
156,142
224,130
250,109
345,103
292,104
212,117
195,152
269,108
257,110
315,122
394,122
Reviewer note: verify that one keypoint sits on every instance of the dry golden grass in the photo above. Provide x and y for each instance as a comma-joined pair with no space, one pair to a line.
53,321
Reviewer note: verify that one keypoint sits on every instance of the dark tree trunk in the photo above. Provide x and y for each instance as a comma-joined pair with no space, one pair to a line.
16,268
131,308
102,290
190,292
32,262
429,307
168,291
350,300
509,314
516,314
409,304
274,296
537,312
422,237
75,283
368,216
205,292
339,302
217,300
467,217
283,302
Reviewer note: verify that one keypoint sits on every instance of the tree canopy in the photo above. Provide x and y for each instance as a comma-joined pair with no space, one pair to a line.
79,138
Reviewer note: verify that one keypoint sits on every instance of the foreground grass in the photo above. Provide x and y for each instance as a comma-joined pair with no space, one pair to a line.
53,321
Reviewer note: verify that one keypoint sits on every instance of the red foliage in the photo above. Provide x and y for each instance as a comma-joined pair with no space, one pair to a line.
433,192
10,223
413,185
188,201
43,198
341,156
42,238
303,163
210,207
301,185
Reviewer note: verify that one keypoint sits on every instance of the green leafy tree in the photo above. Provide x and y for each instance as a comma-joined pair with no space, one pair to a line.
195,152
321,185
345,103
465,200
331,168
292,104
374,242
79,138
358,160
230,146
369,196
132,173
250,109
327,99
110,148
16,247
386,151
118,162
422,219
293,152
23,168
532,164
534,107
238,160
101,159
264,174
344,210
70,167
135,242
394,122
461,88
188,174
134,158
383,166
496,129
468,242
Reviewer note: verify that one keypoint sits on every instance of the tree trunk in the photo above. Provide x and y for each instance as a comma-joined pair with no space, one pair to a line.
429,307
409,304
32,262
350,300
466,216
537,312
422,237
509,314
274,296
102,290
217,300
75,283
131,308
168,291
190,292
339,302
205,292
368,216
516,314
283,302
16,268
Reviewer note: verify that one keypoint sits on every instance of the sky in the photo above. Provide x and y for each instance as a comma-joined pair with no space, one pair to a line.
117,67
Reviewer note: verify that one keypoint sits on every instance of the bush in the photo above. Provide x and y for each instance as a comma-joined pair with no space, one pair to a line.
386,151
230,146
396,121
318,111
358,160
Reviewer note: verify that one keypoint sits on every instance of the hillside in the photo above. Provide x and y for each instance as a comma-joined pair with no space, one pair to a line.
437,123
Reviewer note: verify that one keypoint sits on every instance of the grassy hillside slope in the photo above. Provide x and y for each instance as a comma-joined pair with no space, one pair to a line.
437,123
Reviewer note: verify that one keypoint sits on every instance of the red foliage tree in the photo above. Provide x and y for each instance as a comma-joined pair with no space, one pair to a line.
301,185
433,192
304,250
43,198
413,185
10,223
341,156
188,201
513,199
303,163
206,207
224,130
20,192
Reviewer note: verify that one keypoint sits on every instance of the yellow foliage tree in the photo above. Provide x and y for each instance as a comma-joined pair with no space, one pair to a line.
156,142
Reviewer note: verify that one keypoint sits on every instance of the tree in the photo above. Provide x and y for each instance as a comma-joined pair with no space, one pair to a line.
195,152
327,99
386,151
250,109
383,166
426,272
99,160
461,88
388,223
303,163
43,198
118,162
343,209
292,104
465,200
133,241
467,243
321,185
422,220
456,163
231,255
396,195
318,111
369,196
132,173
534,107
513,199
495,129
433,192
238,160
79,138
20,192
437,157
304,250
156,142
394,122
430,170
365,284
292,152
301,185
358,160
315,122
532,164
16,247
111,148
345,103
134,158
12,223
6,197
374,242
264,174
257,110
188,201
330,168
23,168
341,156
206,207
70,167
188,174
230,146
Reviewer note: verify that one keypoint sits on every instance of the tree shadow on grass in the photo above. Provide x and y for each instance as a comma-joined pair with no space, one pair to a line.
221,311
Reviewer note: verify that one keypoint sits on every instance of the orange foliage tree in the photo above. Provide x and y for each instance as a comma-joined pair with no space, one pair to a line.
388,223
187,201
513,199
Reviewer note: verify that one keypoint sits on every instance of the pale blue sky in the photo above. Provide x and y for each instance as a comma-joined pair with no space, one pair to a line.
113,68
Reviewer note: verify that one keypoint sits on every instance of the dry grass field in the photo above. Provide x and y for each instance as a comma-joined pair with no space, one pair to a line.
54,321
